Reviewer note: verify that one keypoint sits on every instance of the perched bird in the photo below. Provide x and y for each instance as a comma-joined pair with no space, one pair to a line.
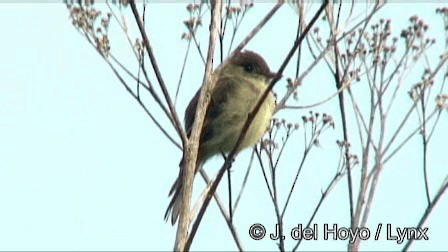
239,84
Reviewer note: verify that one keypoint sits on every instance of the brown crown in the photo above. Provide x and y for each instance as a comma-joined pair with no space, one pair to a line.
242,58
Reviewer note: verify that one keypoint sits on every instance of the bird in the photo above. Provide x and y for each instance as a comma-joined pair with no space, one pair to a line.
239,84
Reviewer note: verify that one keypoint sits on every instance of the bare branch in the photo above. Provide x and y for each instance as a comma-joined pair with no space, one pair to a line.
184,239
443,188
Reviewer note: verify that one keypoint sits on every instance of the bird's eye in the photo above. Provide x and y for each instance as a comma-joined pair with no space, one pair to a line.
249,67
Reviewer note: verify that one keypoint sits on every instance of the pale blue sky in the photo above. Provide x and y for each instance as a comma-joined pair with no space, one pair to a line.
82,167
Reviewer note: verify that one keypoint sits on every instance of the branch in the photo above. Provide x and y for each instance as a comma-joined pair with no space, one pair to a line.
442,190
183,240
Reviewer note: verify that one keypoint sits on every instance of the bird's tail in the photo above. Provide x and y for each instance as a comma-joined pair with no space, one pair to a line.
176,193
176,200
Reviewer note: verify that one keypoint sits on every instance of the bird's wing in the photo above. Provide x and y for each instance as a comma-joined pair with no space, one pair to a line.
222,89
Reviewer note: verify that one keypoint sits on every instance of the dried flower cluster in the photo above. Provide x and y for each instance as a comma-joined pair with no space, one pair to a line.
376,45
276,126
85,19
236,10
231,10
194,21
291,86
352,158
442,102
282,123
193,7
314,118
318,124
415,36
268,144
443,11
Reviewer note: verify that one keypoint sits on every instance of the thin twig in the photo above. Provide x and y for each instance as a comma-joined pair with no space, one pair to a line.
141,104
230,225
258,27
263,170
340,90
443,188
182,72
324,195
177,124
246,176
229,183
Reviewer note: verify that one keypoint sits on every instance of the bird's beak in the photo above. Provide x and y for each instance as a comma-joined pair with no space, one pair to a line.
271,75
